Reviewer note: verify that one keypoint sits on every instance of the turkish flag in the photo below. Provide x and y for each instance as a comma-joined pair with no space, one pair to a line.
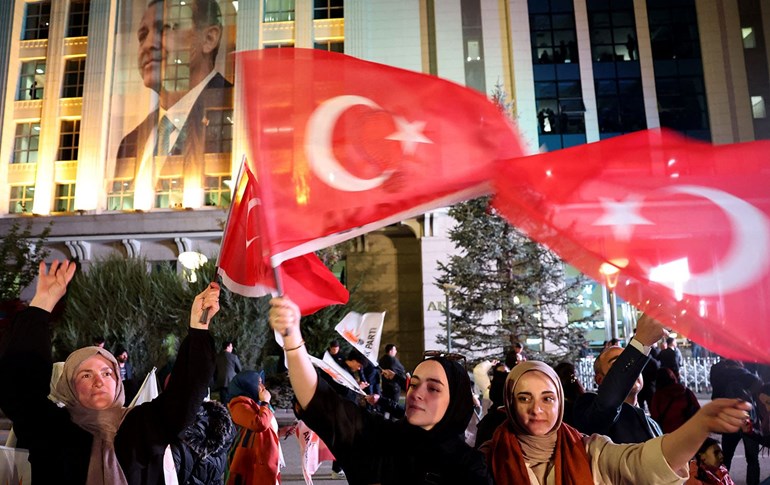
676,227
244,259
343,146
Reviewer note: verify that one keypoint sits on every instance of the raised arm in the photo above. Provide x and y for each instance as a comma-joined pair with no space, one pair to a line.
284,319
52,284
718,416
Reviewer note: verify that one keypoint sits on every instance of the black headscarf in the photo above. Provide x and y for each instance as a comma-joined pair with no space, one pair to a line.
460,409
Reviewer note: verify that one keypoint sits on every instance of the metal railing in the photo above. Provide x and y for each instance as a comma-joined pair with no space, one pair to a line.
694,373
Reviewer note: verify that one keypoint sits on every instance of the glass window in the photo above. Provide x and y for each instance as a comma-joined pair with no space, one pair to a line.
69,140
168,193
217,190
176,75
328,9
74,77
37,18
121,195
749,39
219,131
279,45
21,199
31,80
758,107
331,46
64,200
26,143
279,10
78,21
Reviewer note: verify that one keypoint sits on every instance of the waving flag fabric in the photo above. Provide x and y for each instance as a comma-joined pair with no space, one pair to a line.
343,146
363,332
244,263
680,229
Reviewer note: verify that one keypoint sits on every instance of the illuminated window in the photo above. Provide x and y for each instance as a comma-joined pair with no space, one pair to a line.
21,199
279,10
26,143
78,21
331,46
121,195
328,9
168,193
758,107
64,200
749,39
69,140
217,190
219,131
31,80
278,45
74,76
176,75
37,19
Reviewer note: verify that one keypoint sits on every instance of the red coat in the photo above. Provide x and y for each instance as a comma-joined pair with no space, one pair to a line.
256,453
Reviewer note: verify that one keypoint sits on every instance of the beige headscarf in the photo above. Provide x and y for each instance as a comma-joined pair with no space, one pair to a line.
537,450
103,424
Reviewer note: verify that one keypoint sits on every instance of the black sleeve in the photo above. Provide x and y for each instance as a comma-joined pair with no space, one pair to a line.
596,413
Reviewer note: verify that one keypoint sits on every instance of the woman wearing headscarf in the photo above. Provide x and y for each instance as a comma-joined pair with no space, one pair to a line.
93,439
534,446
427,447
256,455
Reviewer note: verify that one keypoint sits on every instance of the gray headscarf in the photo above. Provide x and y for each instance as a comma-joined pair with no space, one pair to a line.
103,424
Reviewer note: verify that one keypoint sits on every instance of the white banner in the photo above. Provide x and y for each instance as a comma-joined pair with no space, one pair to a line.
340,375
363,332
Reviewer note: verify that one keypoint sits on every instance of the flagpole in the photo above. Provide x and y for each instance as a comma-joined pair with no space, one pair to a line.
205,315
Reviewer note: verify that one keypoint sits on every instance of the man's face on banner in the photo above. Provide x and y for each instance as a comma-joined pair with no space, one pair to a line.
173,54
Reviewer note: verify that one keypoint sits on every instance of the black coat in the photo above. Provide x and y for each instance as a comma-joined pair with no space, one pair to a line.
605,411
200,455
59,450
371,449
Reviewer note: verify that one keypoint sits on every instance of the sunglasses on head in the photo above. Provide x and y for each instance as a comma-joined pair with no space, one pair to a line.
447,355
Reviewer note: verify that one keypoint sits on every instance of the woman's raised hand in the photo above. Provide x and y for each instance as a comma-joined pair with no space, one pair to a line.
52,283
284,319
206,299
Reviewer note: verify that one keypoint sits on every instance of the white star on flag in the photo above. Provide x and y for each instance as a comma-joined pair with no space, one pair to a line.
622,216
409,134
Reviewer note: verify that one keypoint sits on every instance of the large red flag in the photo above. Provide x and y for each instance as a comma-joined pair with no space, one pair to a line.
684,225
244,259
343,146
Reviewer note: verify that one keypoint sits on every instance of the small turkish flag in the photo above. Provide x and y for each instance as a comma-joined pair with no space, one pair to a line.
680,229
343,146
244,260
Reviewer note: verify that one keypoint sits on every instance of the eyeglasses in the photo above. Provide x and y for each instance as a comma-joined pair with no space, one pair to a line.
447,355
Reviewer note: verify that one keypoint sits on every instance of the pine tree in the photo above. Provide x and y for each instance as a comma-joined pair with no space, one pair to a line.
503,287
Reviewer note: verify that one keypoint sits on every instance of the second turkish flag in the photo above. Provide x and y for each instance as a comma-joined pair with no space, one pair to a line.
343,146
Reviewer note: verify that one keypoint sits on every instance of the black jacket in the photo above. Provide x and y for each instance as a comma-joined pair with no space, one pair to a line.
59,450
200,455
605,411
371,449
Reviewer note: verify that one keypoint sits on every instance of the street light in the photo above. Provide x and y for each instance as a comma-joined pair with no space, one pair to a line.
447,288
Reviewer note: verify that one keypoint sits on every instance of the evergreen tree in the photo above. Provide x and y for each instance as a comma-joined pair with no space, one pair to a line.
20,255
504,287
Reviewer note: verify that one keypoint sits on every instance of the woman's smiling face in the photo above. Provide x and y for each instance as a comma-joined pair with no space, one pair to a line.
537,403
427,397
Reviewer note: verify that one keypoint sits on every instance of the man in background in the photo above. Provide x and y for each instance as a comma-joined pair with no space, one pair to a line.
226,367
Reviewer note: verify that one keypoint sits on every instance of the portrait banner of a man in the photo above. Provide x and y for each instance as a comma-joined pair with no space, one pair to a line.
171,125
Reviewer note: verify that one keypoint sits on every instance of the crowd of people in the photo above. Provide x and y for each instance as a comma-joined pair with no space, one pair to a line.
539,425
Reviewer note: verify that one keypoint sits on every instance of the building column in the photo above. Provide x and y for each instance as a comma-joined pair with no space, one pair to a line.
524,79
356,21
644,46
585,58
304,31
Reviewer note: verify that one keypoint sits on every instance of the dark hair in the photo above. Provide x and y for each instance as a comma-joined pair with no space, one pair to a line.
569,382
389,347
705,446
334,343
227,343
119,350
613,342
205,13
98,340
665,377
518,345
670,340
765,389
357,356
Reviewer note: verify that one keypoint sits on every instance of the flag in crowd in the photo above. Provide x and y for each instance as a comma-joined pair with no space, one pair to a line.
311,450
363,332
676,227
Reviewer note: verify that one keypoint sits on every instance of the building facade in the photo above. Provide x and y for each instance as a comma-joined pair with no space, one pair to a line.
78,92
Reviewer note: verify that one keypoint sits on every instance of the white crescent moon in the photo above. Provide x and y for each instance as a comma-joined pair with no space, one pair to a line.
252,204
746,260
318,145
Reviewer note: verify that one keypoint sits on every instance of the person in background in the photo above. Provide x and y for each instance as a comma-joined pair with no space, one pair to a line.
535,446
200,452
256,456
428,446
572,388
228,364
707,468
130,383
673,404
395,377
671,357
93,439
334,351
99,341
